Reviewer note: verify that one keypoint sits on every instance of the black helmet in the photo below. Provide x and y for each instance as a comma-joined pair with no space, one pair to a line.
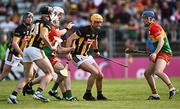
46,10
27,14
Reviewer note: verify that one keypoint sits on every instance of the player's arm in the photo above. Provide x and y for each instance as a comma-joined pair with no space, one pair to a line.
68,27
71,39
160,44
70,43
61,49
44,35
95,47
16,46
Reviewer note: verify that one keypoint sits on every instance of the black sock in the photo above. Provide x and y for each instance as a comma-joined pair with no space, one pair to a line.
99,92
30,83
68,93
56,84
39,89
64,95
14,93
88,91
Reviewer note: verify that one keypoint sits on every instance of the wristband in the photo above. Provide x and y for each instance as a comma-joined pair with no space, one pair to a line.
96,50
66,28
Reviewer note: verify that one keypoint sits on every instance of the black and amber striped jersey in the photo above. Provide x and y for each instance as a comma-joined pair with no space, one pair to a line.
22,32
85,40
36,40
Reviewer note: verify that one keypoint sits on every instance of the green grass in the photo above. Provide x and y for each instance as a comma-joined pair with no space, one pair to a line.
123,94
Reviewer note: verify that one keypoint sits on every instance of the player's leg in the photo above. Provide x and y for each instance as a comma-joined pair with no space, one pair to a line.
151,82
99,79
68,93
57,67
5,71
27,89
10,60
45,65
28,67
86,66
159,71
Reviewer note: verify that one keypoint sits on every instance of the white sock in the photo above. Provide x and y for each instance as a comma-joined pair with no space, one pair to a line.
172,89
155,95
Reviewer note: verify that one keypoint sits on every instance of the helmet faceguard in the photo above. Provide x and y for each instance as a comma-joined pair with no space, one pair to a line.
47,11
27,15
58,10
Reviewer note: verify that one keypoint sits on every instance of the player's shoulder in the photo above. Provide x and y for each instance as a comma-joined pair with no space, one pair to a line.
85,29
20,28
155,25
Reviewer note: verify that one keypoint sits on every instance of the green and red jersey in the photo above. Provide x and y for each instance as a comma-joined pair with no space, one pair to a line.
53,33
156,32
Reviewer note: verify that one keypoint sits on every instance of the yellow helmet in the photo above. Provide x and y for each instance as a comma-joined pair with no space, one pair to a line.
96,17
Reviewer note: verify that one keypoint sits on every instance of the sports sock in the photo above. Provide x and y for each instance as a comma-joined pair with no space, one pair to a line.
56,85
68,93
30,83
99,92
14,93
154,91
39,89
88,91
155,95
64,95
170,86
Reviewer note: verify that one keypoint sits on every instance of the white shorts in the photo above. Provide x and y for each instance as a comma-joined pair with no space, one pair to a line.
31,54
79,59
11,59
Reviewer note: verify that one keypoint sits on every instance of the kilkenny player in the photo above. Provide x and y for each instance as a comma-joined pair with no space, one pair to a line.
35,53
19,41
83,39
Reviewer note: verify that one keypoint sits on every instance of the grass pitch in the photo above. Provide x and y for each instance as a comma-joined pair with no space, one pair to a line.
123,94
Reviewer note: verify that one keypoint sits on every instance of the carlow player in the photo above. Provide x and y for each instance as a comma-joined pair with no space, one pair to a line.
159,57
83,39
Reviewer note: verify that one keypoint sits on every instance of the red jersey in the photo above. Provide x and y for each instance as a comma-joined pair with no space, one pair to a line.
54,33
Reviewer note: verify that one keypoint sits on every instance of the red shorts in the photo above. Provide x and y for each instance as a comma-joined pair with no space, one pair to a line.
54,59
164,56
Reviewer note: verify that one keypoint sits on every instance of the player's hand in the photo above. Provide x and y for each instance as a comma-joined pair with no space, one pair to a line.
69,57
69,25
54,48
72,49
153,57
97,54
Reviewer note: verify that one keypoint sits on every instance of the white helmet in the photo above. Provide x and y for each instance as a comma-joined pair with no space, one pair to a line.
57,10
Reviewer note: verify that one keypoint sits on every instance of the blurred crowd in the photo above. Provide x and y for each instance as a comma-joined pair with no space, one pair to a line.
123,16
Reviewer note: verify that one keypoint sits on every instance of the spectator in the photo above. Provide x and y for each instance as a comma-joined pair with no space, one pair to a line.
79,21
2,8
7,25
11,7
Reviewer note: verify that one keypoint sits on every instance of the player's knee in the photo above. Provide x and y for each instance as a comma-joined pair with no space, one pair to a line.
95,73
50,76
147,74
157,72
100,76
2,76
